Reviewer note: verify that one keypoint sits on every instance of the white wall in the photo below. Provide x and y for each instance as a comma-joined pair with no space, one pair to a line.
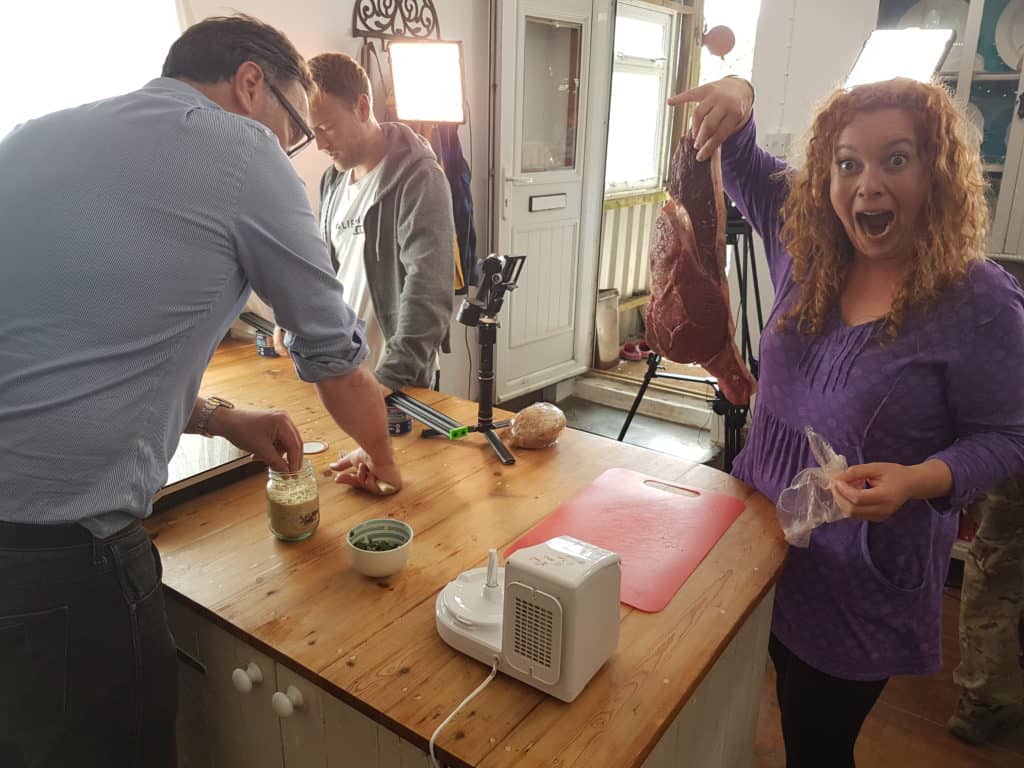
316,26
804,50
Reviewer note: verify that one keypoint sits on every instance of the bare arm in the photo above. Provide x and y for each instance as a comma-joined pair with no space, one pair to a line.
355,401
271,435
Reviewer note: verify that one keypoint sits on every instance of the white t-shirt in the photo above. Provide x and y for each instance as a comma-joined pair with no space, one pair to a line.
347,206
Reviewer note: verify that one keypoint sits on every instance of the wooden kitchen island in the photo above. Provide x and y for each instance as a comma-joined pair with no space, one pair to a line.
375,678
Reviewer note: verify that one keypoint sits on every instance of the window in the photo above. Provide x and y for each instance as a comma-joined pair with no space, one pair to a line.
64,53
645,49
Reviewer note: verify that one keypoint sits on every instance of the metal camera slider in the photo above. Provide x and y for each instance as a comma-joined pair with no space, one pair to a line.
437,423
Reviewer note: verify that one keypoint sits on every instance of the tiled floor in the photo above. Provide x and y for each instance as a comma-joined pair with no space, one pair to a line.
907,728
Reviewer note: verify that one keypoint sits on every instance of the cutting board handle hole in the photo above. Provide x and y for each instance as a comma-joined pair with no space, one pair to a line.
679,491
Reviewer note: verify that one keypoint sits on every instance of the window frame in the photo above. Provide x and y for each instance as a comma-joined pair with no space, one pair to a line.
665,66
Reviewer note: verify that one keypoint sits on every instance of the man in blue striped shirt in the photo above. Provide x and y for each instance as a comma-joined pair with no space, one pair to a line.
131,232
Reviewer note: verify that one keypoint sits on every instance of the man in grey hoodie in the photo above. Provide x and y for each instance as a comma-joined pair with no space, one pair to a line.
386,213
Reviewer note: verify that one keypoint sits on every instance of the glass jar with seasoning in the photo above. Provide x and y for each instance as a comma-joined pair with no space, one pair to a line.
293,503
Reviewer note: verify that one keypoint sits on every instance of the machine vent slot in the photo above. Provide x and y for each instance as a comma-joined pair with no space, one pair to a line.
533,632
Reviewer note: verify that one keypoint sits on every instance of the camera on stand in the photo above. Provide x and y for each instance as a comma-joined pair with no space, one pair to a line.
498,275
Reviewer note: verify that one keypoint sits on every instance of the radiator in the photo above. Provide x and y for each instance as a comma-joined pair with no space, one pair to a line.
626,241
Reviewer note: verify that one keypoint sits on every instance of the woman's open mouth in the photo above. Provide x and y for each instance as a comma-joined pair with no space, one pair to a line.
876,224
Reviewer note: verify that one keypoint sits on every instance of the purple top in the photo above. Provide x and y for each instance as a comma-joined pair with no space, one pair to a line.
863,602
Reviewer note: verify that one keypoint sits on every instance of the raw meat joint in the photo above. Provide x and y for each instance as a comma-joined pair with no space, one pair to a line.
688,317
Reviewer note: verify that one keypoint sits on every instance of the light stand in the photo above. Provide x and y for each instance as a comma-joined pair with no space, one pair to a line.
497,275
735,415
740,235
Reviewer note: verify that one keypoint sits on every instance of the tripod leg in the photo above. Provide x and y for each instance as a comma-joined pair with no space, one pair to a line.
504,454
743,281
748,248
730,447
652,371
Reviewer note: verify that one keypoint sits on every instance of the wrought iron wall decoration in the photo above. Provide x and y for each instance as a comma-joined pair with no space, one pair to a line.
395,18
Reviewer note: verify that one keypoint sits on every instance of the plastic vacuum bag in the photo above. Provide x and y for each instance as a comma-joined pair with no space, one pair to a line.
537,426
808,501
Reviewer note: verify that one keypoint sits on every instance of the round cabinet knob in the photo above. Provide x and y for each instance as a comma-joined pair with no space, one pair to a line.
285,704
244,679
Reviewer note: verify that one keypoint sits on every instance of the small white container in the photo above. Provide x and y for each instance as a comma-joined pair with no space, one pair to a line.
387,562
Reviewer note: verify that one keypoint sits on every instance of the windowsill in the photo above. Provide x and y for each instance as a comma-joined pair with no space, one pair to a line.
629,198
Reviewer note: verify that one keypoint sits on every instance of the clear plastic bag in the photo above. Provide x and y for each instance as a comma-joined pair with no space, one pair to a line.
536,426
808,501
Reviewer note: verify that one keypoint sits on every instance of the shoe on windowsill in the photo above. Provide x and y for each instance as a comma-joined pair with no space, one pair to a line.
978,723
631,351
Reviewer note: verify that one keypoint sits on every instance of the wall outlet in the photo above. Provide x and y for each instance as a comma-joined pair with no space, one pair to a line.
778,144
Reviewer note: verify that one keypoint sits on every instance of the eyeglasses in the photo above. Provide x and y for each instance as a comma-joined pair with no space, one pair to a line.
305,130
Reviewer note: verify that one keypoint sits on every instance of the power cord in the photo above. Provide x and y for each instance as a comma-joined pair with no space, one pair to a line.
465,701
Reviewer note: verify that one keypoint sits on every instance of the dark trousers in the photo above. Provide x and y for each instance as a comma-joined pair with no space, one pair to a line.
821,715
88,674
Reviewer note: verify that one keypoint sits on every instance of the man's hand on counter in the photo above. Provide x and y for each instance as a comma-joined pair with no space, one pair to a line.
271,435
358,469
356,402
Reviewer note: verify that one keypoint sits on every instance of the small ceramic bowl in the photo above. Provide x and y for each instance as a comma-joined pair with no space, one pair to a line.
380,563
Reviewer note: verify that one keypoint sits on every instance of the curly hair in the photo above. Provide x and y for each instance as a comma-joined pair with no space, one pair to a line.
954,217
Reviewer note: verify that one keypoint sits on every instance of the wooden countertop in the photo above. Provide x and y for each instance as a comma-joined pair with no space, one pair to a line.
373,643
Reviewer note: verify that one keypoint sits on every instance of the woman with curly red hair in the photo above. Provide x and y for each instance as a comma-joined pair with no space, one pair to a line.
894,338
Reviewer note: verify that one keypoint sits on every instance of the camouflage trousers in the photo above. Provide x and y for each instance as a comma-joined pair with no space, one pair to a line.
992,603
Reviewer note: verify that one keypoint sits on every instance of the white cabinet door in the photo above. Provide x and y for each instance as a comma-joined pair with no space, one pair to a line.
350,735
260,730
193,740
302,730
222,727
242,728
356,741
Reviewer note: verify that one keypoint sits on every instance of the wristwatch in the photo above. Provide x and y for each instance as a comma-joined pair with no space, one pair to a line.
210,405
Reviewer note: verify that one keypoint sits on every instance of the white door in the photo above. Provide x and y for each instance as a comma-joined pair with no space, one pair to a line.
553,82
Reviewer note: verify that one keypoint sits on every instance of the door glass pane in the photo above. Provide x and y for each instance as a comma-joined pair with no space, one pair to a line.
551,70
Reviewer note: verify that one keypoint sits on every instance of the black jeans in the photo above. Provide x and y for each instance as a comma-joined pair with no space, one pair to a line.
88,674
821,715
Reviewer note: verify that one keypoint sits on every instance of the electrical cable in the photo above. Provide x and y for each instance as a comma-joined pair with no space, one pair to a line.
465,701
469,162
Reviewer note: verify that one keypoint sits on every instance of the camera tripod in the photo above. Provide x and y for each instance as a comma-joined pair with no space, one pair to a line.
498,275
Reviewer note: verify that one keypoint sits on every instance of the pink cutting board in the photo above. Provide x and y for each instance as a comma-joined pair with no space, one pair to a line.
661,535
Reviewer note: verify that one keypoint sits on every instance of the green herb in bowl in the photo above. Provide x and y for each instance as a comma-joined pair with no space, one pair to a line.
376,545
380,547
